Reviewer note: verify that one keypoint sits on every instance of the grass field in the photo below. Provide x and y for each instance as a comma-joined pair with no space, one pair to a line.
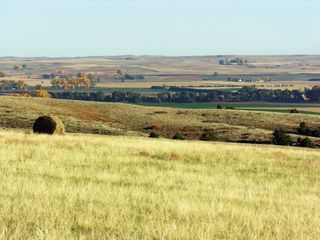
95,187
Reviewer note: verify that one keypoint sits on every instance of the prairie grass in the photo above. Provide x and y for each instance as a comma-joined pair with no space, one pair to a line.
95,187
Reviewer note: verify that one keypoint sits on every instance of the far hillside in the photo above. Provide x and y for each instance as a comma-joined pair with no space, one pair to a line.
124,119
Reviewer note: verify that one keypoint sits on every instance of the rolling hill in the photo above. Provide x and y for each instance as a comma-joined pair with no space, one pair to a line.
125,119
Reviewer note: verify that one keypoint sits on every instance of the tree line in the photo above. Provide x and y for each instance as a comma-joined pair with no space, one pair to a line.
246,94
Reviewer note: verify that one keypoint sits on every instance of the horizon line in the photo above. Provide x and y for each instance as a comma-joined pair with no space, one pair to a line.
164,55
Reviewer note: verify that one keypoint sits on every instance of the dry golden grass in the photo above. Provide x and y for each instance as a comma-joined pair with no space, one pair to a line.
94,187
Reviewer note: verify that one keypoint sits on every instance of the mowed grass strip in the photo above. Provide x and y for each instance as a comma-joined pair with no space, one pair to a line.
95,187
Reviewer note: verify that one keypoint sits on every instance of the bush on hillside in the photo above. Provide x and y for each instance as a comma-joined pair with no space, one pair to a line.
294,110
304,129
219,106
208,136
280,137
179,136
154,135
306,142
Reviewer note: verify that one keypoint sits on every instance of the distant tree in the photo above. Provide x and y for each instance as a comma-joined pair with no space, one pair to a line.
42,93
219,106
121,74
280,137
24,66
21,85
60,71
2,74
17,67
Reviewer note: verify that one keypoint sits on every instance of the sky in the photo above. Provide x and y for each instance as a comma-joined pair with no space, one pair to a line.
70,28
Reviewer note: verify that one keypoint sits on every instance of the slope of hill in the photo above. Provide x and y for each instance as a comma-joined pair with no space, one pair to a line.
112,187
125,119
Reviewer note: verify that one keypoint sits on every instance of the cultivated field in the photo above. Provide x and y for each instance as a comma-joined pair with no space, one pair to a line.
288,72
313,109
95,187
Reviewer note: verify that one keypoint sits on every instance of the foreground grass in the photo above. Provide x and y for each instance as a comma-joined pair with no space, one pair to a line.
94,187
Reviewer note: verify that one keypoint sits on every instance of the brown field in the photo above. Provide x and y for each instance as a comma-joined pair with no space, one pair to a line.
171,65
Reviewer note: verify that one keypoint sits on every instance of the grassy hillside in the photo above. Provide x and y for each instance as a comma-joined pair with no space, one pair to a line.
95,187
125,119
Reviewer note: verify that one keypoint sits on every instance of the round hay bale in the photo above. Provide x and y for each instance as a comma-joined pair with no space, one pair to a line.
48,125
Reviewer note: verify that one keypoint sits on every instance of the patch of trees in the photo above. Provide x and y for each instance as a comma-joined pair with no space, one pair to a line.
79,81
10,85
246,94
85,96
40,93
306,142
233,61
280,137
313,94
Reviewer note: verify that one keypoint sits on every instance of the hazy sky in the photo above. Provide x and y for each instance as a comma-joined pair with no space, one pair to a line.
158,27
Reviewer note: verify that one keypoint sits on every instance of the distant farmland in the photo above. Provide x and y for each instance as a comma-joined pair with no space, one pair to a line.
268,107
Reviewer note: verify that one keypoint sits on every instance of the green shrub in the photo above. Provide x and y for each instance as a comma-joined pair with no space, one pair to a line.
178,136
280,137
303,129
228,107
219,106
154,135
208,136
306,142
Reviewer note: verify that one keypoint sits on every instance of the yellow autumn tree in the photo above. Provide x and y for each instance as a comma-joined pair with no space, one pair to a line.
41,93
